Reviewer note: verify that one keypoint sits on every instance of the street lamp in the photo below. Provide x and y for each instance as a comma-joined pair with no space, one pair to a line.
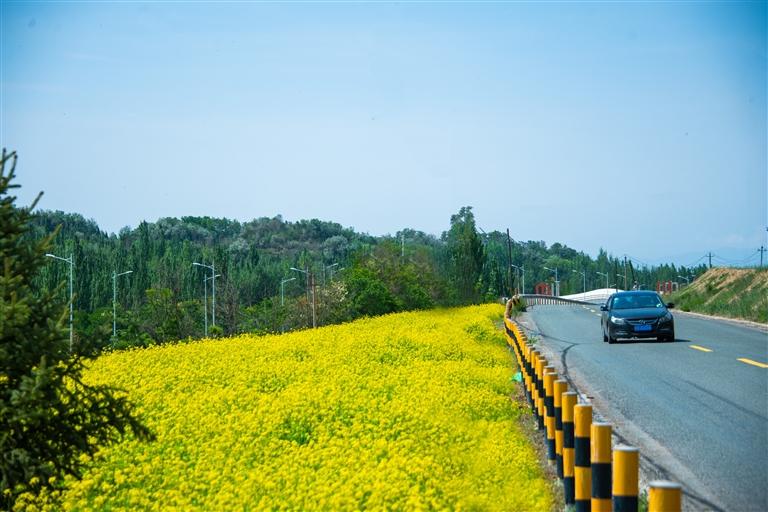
71,261
282,290
557,282
520,269
619,277
205,299
314,318
606,278
326,268
213,289
115,275
687,280
584,276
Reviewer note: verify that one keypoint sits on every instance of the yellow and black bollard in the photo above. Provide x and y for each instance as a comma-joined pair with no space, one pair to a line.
625,469
561,386
550,376
542,362
568,401
529,373
600,437
535,384
664,496
582,471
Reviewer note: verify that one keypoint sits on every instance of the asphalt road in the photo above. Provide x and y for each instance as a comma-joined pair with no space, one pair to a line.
700,414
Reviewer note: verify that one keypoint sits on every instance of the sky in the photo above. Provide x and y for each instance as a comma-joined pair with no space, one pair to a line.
639,128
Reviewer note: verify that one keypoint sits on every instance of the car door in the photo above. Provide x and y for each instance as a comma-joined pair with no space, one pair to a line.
605,313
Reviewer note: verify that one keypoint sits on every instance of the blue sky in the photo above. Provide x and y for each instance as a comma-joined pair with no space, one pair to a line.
636,127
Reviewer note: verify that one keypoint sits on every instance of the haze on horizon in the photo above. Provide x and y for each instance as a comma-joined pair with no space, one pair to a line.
639,128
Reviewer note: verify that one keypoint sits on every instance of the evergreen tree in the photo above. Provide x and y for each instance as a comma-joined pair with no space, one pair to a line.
467,255
49,415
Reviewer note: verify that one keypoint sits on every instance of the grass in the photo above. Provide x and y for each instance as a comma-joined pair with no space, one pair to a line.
733,293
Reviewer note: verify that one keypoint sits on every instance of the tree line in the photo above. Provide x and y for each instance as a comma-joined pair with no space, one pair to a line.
342,274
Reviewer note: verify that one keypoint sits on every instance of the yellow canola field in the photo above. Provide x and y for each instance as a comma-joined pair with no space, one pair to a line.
402,412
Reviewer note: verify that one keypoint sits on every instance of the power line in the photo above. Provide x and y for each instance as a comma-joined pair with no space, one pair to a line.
729,261
696,262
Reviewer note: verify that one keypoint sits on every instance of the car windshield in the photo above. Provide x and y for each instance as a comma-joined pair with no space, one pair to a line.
650,300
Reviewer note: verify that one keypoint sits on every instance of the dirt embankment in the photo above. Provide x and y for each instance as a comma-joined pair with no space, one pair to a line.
730,292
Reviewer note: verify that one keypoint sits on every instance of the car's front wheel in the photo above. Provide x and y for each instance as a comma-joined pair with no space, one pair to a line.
668,337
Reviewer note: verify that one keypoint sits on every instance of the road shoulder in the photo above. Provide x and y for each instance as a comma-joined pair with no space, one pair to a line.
734,321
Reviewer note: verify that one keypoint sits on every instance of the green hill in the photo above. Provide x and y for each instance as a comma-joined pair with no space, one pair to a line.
731,292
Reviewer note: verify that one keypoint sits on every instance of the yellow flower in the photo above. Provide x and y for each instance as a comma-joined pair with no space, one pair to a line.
405,411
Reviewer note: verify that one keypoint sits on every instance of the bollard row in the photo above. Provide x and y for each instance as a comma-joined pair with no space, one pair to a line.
595,476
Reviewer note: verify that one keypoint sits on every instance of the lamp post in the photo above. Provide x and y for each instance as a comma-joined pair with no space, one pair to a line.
521,270
282,301
606,278
282,290
115,275
309,275
205,300
557,282
326,268
71,261
687,280
213,291
619,277
584,277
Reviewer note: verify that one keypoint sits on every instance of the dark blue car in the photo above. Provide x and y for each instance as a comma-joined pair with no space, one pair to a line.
637,314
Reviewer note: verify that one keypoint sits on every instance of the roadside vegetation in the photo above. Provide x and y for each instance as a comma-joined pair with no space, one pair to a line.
406,411
354,274
740,293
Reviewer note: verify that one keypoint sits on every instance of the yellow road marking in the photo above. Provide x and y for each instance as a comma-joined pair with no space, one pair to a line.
753,363
703,349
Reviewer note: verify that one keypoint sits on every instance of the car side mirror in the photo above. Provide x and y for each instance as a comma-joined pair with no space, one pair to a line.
670,305
603,308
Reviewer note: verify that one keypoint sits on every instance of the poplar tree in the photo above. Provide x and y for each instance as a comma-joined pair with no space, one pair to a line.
467,255
49,415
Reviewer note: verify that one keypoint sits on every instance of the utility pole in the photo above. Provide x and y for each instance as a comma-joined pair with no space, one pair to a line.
625,272
509,260
402,244
710,259
762,250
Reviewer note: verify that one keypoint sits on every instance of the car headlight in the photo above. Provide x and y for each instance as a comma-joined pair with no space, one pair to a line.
666,318
618,321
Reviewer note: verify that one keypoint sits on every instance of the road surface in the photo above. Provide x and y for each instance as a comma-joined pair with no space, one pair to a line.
697,408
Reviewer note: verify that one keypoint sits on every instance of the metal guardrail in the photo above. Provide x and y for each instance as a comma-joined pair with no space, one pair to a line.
595,476
540,300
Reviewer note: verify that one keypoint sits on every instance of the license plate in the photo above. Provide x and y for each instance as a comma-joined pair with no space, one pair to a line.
643,328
